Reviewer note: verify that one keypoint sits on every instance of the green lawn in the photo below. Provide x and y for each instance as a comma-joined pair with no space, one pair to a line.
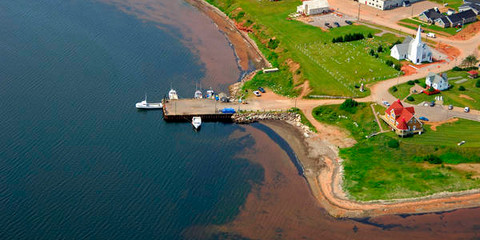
451,96
426,26
373,170
451,3
329,67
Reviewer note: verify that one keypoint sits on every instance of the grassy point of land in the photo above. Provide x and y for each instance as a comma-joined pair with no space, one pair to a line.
330,68
388,167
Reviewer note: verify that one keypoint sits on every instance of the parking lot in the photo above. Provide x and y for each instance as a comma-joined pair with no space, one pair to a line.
320,20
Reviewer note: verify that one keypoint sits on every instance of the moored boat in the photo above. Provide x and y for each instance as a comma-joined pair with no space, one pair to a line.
146,105
172,94
197,122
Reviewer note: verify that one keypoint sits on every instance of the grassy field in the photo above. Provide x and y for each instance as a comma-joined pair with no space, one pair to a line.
468,98
322,62
451,3
374,170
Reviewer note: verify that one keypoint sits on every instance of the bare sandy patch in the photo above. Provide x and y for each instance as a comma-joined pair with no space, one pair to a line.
434,125
473,168
466,97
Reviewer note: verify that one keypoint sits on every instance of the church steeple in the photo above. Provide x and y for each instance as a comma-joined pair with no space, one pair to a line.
418,38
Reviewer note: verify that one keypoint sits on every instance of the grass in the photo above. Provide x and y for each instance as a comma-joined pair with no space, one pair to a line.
311,47
451,3
451,96
373,171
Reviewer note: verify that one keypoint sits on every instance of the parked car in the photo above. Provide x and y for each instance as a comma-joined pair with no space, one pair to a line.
431,35
432,103
386,103
450,107
257,93
461,143
466,109
336,24
348,22
327,24
423,118
261,89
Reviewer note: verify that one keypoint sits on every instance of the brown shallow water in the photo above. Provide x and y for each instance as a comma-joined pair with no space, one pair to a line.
198,32
284,208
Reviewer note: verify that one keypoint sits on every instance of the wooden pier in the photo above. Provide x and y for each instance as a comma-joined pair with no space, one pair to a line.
207,109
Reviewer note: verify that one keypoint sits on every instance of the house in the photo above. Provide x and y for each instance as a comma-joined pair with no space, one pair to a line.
402,119
430,15
313,7
438,82
461,18
442,22
473,5
412,49
473,74
450,11
386,4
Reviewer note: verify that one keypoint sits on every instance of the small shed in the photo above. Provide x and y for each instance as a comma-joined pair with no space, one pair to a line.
473,74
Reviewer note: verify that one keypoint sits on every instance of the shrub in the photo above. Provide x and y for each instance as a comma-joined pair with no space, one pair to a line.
349,105
461,88
370,35
376,55
380,49
433,159
394,89
398,67
372,52
457,68
431,89
411,82
417,81
389,63
477,84
272,43
393,143
424,85
410,98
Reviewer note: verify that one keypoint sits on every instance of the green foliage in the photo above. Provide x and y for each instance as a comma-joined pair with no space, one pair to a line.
280,82
393,143
239,16
272,43
433,159
398,67
303,119
369,35
431,89
416,81
411,82
394,89
461,88
349,105
380,49
423,85
477,84
389,62
457,69
371,52
410,98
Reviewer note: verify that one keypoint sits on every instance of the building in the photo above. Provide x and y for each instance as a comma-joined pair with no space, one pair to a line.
430,15
462,18
473,5
313,7
412,49
402,119
438,82
386,4
442,22
473,74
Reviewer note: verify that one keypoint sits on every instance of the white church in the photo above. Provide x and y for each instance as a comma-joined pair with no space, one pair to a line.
412,49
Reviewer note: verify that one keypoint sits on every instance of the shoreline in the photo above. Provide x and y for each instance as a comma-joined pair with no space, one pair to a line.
324,178
323,168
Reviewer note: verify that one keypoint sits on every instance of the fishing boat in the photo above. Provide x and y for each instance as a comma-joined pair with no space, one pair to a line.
197,122
145,105
210,93
198,94
172,94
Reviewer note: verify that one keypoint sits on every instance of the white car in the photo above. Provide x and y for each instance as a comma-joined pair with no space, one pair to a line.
431,35
467,109
461,143
257,93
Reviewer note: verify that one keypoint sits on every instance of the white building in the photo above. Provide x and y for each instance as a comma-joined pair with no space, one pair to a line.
314,7
386,4
412,49
436,81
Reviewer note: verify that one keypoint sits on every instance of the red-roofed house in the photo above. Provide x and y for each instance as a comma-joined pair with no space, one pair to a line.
402,119
473,74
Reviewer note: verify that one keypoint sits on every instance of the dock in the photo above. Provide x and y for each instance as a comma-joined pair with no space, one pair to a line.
207,109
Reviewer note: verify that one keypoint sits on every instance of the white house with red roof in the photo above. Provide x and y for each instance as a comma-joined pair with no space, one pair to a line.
402,119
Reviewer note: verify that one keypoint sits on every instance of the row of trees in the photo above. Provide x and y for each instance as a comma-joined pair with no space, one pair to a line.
349,37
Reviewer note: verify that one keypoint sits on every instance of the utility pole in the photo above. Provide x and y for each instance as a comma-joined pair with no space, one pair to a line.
412,9
358,17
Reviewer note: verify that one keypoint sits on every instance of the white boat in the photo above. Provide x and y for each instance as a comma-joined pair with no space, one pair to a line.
198,94
197,122
145,105
172,94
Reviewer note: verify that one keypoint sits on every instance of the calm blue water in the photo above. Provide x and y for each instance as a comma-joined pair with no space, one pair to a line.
77,160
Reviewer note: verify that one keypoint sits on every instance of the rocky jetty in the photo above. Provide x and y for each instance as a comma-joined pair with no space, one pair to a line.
292,118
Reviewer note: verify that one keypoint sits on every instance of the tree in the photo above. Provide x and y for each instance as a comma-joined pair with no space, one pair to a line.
372,52
411,82
461,88
432,159
393,143
349,105
410,98
394,89
389,62
370,35
469,61
380,49
477,84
